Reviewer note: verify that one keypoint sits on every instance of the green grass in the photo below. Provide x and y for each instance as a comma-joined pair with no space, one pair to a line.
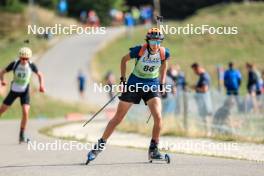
43,106
10,46
209,50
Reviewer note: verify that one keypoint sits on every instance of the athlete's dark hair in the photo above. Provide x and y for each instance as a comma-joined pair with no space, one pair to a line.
148,48
231,65
195,65
249,65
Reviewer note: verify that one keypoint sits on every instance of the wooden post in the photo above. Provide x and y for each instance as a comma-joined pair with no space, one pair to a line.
185,110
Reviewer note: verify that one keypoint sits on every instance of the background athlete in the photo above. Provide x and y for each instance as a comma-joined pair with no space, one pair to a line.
22,69
150,70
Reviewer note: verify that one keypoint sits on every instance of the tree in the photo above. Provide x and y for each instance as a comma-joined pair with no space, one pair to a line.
178,9
14,6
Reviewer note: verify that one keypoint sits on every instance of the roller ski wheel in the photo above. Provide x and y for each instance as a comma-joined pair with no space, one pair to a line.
155,155
165,158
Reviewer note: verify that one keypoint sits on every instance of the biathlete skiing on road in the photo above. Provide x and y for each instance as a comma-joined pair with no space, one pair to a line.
150,69
22,69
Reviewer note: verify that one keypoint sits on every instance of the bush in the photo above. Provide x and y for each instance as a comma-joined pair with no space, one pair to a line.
51,4
179,9
48,3
13,6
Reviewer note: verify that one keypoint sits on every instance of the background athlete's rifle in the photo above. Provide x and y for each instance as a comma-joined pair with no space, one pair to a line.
159,20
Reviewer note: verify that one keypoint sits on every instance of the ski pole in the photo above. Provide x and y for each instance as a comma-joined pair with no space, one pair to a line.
100,109
148,118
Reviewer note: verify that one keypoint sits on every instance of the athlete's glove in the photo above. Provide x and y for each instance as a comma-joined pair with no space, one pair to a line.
162,90
41,89
162,87
122,79
123,83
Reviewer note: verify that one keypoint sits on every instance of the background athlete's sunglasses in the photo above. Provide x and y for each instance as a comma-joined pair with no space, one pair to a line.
154,42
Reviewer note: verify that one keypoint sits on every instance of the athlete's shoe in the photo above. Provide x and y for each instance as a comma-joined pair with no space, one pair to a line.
153,151
23,138
155,154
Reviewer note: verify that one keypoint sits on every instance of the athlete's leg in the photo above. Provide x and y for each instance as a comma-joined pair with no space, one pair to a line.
3,108
8,101
25,103
23,124
154,105
122,109
25,116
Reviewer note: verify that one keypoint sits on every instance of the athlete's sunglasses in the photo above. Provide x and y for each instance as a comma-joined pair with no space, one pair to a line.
24,59
154,42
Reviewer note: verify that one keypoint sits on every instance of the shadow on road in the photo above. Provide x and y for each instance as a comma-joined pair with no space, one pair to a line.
127,163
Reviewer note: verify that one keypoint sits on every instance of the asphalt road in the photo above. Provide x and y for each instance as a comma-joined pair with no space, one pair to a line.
60,66
17,160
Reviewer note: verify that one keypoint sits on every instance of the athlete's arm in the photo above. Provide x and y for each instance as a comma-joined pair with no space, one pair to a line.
2,72
40,77
41,82
124,60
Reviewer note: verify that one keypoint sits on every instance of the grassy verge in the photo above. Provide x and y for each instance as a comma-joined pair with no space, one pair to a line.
174,127
43,106
12,39
48,131
209,50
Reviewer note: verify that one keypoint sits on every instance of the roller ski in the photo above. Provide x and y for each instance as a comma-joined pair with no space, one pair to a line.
155,155
98,148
